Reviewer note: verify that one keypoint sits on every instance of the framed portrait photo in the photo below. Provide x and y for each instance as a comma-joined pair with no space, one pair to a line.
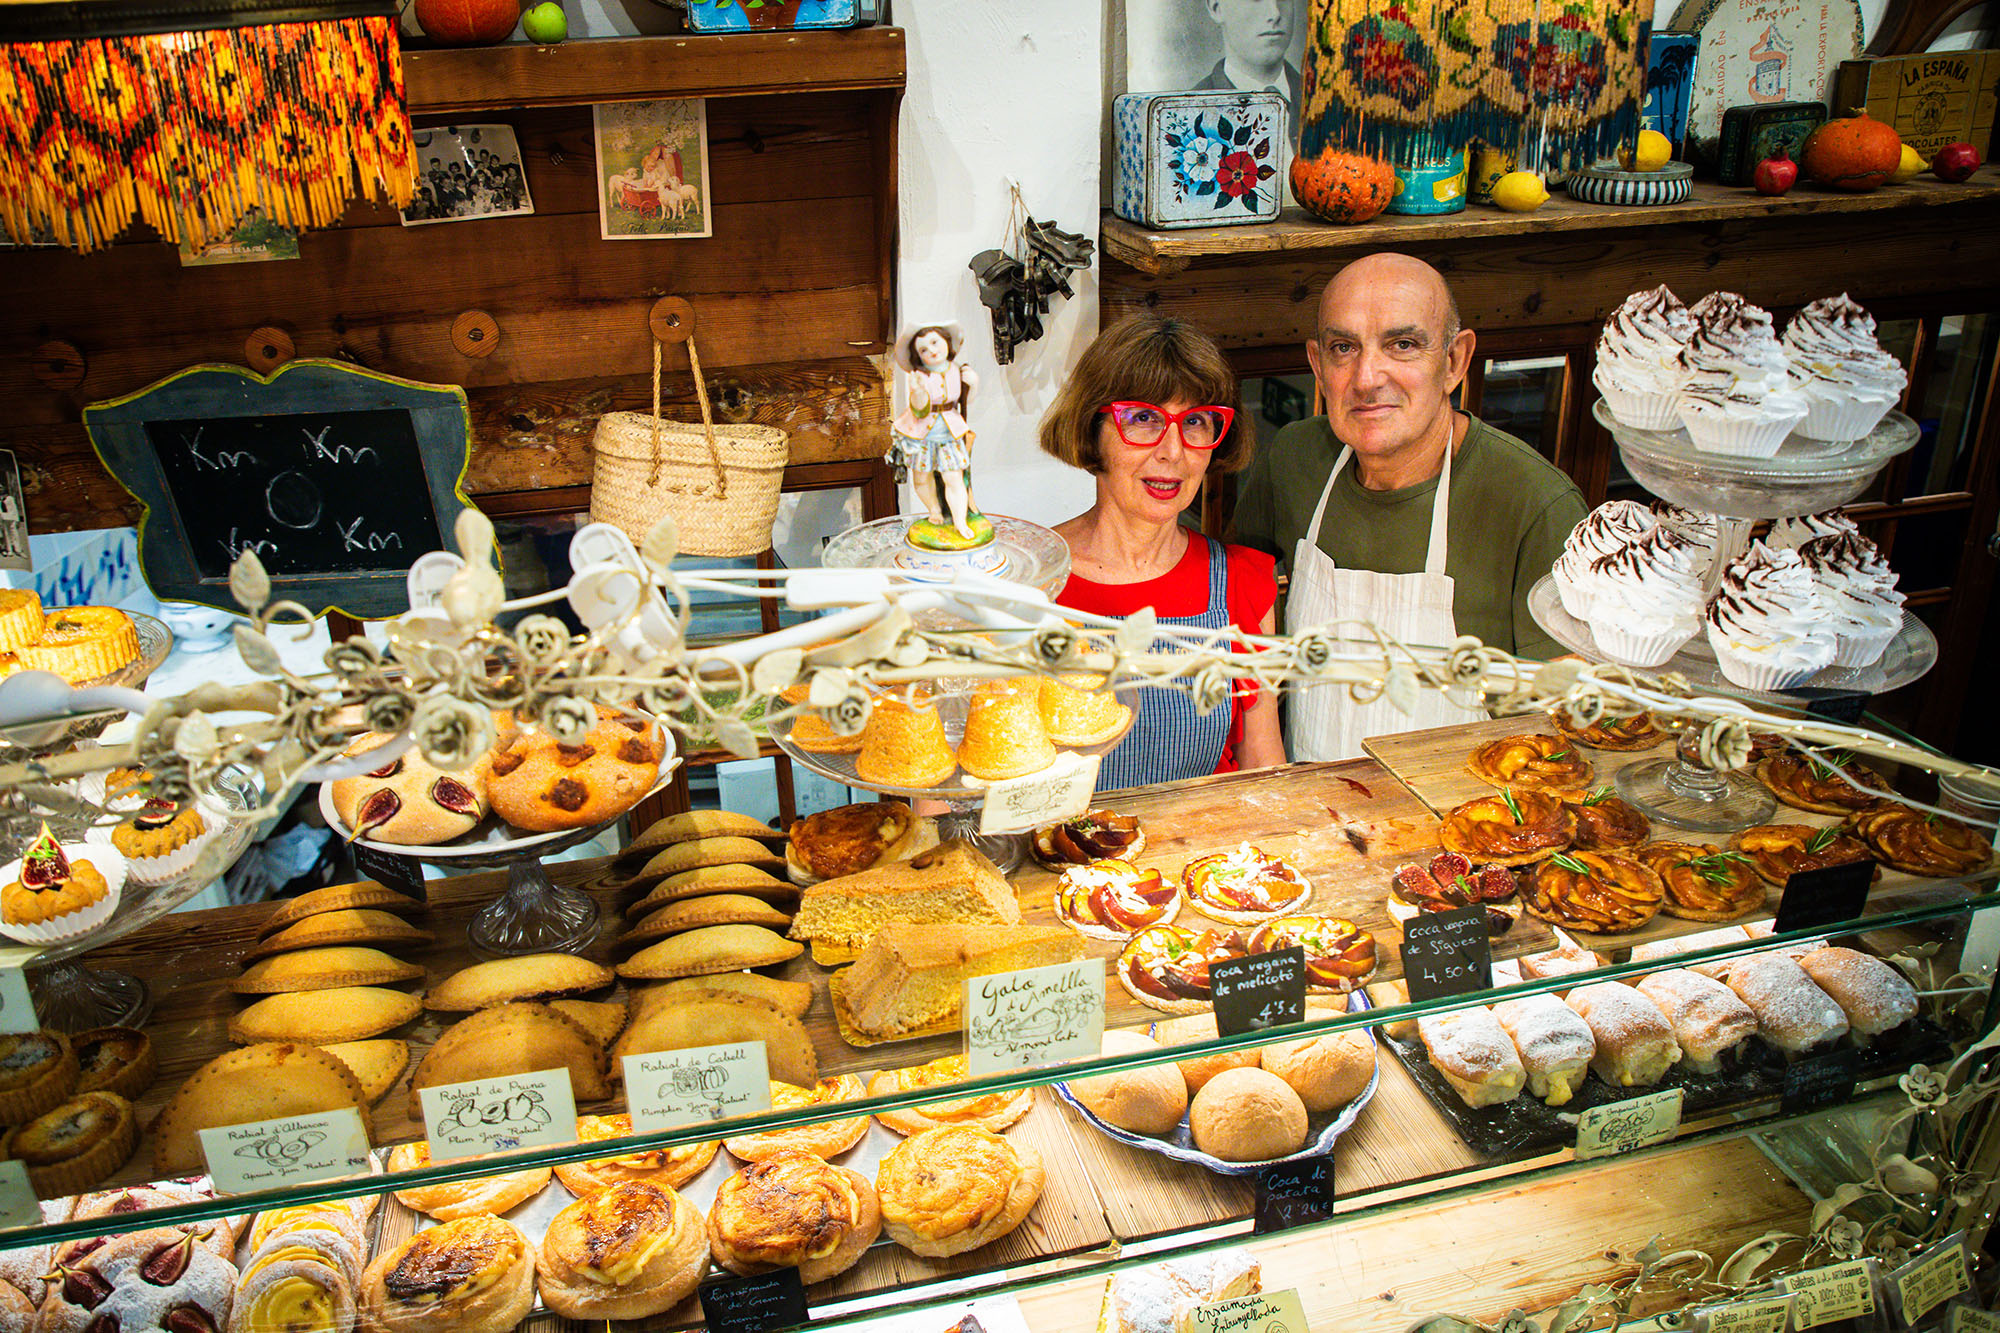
652,170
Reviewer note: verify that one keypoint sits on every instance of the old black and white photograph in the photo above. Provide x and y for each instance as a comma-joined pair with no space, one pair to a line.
13,516
1247,45
465,172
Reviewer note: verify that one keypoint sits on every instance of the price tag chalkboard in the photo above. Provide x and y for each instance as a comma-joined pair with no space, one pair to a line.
1836,705
1821,1081
1447,953
1293,1194
1824,897
336,476
404,874
1265,990
753,1304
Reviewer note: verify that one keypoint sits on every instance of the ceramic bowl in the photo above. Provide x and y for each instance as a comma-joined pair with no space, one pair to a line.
1608,183
198,628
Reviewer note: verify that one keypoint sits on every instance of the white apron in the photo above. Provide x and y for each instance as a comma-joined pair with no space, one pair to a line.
1322,721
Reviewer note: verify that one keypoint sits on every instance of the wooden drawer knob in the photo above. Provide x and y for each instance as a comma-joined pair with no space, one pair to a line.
59,365
267,348
672,320
475,334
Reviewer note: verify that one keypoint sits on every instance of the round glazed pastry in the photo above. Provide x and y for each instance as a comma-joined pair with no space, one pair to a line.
1114,900
302,1280
953,1189
1328,1071
472,1275
630,1252
796,1210
1605,823
1805,784
1244,887
1340,956
1099,835
827,1138
1166,967
672,1167
145,1280
1638,732
1599,892
1510,829
76,1144
1919,844
119,1060
1702,882
487,1196
1151,1100
37,1071
1247,1115
408,801
849,839
993,1111
1533,763
540,784
1776,851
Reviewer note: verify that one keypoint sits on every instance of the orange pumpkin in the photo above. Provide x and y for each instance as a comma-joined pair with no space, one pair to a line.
1856,154
468,22
1342,187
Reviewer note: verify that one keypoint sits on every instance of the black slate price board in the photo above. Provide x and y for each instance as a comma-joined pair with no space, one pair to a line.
1293,1194
405,874
1447,953
1824,897
1836,705
1265,990
1821,1081
753,1304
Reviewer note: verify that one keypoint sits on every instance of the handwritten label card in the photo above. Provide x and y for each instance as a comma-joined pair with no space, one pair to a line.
1841,1291
1972,1319
1637,1122
17,1007
1037,1016
1824,897
754,1304
18,1206
291,1150
1932,1278
535,1110
1822,1080
1766,1315
1265,990
1292,1194
1447,953
404,874
1060,791
1266,1312
669,1088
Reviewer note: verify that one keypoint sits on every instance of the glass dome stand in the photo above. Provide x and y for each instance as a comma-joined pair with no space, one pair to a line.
1688,794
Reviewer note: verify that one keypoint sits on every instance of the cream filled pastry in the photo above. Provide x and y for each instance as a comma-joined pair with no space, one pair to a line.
1606,529
1639,370
1848,381
1857,590
1738,397
1646,598
1796,532
1766,624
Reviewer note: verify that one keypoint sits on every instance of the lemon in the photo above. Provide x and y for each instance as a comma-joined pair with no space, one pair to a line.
1654,151
1520,192
1912,164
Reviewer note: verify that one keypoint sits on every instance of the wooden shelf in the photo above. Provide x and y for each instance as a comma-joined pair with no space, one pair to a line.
615,69
1298,234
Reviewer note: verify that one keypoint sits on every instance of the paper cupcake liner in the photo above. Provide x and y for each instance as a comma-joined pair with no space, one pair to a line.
1745,439
72,925
1575,599
1642,410
1754,673
1638,650
1860,650
1842,419
151,871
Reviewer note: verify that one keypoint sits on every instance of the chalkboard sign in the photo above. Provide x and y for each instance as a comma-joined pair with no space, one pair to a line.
405,874
1292,1194
1447,953
1265,990
754,1304
337,477
1821,1081
1835,705
1824,897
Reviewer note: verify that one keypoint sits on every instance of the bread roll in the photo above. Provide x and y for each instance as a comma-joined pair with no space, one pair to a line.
1146,1101
1327,1071
1874,996
1473,1053
1684,944
1553,1041
1707,1017
1197,1070
1635,1043
1247,1115
1388,994
1568,958
1793,1014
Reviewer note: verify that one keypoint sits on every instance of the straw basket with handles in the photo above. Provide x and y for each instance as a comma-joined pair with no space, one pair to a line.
720,484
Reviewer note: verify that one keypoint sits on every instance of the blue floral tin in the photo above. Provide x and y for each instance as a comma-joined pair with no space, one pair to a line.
779,15
1198,159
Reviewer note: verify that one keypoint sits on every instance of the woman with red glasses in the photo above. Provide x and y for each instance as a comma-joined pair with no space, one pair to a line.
1151,410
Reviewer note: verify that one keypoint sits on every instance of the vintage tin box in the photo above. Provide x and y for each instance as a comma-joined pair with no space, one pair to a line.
1752,133
1933,99
764,15
1198,159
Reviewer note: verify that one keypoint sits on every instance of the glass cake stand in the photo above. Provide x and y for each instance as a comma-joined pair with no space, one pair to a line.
1022,552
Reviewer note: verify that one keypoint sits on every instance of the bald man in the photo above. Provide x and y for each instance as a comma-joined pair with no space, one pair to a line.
1370,522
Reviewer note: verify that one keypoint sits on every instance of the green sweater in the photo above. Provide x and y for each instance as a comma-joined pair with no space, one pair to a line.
1510,510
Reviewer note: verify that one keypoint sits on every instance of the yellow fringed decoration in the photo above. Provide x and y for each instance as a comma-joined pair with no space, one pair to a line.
189,131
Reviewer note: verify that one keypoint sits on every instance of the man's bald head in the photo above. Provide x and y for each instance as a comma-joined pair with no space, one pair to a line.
1399,270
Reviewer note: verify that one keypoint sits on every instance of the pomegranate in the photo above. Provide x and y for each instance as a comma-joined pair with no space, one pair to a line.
1775,174
1955,162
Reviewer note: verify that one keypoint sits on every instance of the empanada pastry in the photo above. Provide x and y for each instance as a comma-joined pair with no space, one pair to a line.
717,1018
1605,823
726,850
512,1039
345,1013
1917,843
1777,851
1533,762
1510,829
338,898
704,880
827,1138
1806,784
486,1196
602,1019
1600,892
352,925
1703,882
1638,732
534,976
378,1063
952,1189
717,909
471,1275
793,1210
710,949
790,997
994,1111
327,968
669,1168
260,1082
629,1252
689,826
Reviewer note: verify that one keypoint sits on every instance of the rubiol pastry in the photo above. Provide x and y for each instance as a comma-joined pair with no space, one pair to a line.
911,978
1004,733
326,968
668,1168
691,826
1708,1019
904,745
717,909
260,1082
1874,996
849,839
949,884
709,949
1473,1053
1555,1045
1793,1013
703,881
471,1275
535,976
377,1063
512,1039
1635,1042
359,925
706,853
717,1018
346,1013
339,898
796,1210
945,1191
826,1138
630,1252
408,800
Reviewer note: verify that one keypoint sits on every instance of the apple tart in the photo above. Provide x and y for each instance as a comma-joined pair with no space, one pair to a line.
1244,887
1703,882
1606,823
1340,956
1115,900
1806,784
1602,893
1533,762
1777,851
1510,829
1638,732
1917,843
1166,967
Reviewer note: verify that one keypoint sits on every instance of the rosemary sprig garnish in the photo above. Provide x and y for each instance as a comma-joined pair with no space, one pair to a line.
1559,754
1598,797
1715,868
1822,840
1571,864
1513,807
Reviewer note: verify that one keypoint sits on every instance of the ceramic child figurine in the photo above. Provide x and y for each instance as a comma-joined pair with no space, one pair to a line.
933,441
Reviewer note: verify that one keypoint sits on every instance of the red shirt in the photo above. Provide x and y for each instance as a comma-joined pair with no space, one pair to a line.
1250,589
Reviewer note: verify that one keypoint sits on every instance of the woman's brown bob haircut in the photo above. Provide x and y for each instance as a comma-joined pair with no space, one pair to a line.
1147,359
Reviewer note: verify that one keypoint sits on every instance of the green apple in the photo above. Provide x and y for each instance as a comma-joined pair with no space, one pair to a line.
545,23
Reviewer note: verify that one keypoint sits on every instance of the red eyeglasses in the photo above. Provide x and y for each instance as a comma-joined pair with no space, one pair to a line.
1143,425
